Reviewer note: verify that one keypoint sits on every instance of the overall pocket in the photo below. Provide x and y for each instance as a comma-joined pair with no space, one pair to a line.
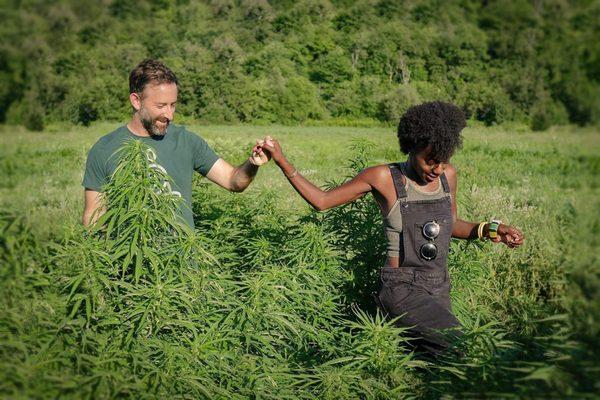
392,297
396,287
440,243
436,284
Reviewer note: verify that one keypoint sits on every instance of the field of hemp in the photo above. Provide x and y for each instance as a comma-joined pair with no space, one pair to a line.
268,299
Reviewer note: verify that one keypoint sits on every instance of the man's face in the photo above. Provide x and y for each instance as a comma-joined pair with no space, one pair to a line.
157,107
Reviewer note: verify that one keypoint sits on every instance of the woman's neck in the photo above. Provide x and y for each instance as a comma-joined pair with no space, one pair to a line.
411,173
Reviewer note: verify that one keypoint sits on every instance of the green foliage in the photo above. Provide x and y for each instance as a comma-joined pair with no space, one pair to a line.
394,104
288,62
268,300
546,113
148,310
28,114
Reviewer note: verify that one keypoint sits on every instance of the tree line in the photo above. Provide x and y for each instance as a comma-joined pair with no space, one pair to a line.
286,61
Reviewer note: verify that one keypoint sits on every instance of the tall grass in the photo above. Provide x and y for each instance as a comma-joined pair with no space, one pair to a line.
265,301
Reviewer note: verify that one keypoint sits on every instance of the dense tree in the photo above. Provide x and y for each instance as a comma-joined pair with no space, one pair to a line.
289,61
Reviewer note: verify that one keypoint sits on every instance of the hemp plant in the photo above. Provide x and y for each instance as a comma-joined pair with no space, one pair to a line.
137,273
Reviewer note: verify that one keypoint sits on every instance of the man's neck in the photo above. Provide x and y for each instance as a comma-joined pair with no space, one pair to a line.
136,127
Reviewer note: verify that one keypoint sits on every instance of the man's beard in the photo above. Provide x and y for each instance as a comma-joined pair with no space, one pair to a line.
150,124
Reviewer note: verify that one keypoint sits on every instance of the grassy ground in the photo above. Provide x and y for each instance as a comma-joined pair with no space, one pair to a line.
538,305
504,173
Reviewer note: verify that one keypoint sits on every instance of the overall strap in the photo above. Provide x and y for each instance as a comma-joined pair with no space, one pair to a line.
397,178
445,184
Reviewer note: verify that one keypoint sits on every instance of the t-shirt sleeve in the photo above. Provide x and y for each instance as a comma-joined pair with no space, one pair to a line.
203,156
95,176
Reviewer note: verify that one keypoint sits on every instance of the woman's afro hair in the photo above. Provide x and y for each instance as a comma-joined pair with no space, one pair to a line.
436,125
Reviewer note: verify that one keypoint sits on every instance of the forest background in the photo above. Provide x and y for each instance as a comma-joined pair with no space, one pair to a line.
289,62
267,298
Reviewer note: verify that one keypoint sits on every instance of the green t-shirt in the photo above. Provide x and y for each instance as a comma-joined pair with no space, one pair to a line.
179,152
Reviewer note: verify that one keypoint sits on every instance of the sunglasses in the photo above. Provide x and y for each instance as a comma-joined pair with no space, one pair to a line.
428,250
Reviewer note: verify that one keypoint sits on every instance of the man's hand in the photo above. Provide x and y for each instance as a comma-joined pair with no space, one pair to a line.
509,235
237,179
258,156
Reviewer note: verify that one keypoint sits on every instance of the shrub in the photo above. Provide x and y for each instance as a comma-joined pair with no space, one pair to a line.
484,102
296,100
28,113
395,103
546,113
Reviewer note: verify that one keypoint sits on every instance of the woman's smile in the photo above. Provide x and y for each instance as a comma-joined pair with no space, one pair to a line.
430,177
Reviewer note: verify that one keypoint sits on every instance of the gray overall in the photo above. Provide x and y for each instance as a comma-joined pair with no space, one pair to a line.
419,290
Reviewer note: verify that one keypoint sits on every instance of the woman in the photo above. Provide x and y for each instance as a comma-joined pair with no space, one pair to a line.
417,199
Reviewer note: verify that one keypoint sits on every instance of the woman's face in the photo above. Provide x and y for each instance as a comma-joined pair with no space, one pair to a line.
426,166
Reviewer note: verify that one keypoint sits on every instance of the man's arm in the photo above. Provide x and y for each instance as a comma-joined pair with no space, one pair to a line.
93,208
237,179
234,179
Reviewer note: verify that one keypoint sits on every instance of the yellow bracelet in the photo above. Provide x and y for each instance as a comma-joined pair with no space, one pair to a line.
480,230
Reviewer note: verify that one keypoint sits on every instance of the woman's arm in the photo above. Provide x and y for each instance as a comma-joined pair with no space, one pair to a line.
319,199
507,234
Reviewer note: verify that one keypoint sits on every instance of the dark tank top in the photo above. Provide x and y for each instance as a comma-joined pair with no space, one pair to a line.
392,222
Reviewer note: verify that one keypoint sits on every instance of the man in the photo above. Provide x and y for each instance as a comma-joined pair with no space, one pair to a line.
153,96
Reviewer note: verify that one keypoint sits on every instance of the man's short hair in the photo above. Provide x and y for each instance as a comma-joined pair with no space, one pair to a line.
150,71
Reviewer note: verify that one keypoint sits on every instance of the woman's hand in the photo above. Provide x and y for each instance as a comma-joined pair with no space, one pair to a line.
273,148
509,235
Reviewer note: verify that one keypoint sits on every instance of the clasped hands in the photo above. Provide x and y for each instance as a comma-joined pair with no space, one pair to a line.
259,156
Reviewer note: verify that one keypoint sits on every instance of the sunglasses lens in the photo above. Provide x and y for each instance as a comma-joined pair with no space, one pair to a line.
428,251
431,230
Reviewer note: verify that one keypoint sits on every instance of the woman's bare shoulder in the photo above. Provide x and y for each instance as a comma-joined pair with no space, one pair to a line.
377,175
450,173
